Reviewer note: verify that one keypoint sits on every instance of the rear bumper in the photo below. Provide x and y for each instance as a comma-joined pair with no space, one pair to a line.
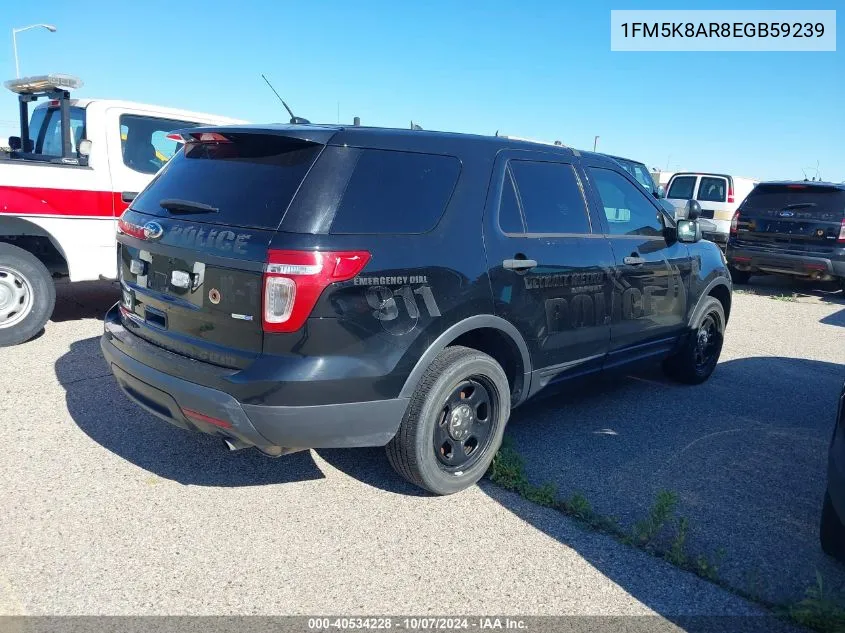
168,396
753,259
836,463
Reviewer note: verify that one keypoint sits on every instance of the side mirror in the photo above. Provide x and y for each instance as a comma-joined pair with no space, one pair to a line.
15,143
661,191
693,210
84,148
688,231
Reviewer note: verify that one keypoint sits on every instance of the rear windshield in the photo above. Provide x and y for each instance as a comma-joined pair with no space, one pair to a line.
250,181
811,198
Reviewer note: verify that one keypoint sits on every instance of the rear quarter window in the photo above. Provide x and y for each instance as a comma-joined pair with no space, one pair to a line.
395,192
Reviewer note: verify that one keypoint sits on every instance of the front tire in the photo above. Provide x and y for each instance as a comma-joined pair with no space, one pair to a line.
27,295
454,422
832,531
697,359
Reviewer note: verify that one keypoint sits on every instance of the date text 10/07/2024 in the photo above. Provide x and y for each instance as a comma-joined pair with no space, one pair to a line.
418,624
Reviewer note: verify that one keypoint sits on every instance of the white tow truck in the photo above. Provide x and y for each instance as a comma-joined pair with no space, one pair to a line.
73,170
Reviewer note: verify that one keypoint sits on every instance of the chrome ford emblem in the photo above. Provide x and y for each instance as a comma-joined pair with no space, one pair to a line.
786,214
153,230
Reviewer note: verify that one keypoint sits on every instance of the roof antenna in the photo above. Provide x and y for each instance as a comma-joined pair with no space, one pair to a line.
293,119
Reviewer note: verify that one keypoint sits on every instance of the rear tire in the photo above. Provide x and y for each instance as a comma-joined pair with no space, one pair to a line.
27,295
739,276
698,357
454,422
832,531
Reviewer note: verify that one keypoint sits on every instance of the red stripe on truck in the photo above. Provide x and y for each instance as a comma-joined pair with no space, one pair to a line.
61,202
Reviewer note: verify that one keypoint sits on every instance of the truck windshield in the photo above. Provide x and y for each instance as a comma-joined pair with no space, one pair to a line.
45,130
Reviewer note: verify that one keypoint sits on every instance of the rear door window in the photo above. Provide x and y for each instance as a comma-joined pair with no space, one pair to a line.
551,197
510,217
712,189
396,192
250,180
682,187
144,142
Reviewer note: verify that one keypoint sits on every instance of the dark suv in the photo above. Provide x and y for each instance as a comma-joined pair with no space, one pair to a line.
790,228
303,286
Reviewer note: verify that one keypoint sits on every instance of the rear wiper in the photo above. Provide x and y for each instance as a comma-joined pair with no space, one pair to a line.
174,205
800,205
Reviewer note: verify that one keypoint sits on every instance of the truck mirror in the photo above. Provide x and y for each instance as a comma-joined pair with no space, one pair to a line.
85,147
15,142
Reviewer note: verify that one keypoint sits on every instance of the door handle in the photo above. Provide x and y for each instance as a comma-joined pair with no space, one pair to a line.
519,264
128,196
633,261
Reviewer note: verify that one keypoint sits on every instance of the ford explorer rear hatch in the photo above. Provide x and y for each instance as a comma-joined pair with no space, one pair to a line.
194,243
802,216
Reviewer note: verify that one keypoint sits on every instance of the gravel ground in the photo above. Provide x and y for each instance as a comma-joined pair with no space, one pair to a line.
745,452
107,510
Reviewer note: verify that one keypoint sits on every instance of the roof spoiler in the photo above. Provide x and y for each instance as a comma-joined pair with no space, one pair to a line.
320,134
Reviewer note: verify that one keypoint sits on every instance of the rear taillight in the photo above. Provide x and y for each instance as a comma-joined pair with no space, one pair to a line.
735,222
841,238
730,194
294,280
133,230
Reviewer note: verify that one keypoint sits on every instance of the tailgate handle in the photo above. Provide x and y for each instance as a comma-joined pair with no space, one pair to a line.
633,261
128,196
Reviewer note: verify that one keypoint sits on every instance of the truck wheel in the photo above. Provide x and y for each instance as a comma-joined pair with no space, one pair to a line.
832,531
697,359
27,295
739,276
454,422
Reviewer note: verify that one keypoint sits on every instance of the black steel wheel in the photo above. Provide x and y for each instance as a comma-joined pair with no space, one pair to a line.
698,356
454,422
464,428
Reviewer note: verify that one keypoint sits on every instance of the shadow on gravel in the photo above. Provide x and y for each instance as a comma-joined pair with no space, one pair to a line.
745,453
100,409
84,300
837,318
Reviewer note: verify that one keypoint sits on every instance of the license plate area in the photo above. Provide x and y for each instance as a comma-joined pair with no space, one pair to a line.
155,318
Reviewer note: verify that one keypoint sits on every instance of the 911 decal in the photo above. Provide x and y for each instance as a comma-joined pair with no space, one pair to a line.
399,309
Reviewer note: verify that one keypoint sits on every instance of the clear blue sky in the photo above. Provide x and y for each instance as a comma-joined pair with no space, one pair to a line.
537,68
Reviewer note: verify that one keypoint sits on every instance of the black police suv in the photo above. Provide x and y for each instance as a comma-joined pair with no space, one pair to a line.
305,286
832,530
790,228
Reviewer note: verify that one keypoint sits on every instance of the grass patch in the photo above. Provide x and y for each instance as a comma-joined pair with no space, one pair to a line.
818,610
788,298
646,530
508,471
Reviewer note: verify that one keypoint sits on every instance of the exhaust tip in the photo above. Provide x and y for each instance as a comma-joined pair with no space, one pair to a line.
234,444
